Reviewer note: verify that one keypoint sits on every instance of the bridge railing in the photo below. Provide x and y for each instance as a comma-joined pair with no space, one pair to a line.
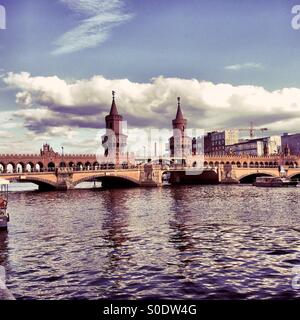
105,167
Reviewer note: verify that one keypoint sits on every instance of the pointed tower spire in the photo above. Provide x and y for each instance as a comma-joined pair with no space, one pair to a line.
179,115
113,109
179,122
179,137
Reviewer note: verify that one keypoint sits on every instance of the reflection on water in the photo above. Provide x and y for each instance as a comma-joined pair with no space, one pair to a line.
202,242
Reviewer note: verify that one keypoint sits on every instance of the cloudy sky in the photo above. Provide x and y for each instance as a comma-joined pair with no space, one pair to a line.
232,62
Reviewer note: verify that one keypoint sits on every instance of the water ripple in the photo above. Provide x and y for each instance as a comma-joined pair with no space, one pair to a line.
200,242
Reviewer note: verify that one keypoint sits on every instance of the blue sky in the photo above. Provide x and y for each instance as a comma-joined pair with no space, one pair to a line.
229,42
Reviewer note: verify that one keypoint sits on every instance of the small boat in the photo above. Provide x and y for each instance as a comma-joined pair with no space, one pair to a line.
274,182
4,216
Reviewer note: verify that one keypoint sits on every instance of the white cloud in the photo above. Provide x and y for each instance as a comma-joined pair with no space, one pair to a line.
98,18
51,102
244,66
5,134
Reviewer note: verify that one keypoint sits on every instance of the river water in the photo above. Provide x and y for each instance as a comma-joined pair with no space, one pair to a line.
200,242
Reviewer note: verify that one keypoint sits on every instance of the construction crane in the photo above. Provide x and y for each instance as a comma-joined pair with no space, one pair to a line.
252,130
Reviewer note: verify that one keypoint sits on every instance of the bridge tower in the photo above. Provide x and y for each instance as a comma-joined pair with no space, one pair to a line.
114,141
180,144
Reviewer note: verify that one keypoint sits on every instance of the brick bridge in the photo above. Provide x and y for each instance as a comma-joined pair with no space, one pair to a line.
66,171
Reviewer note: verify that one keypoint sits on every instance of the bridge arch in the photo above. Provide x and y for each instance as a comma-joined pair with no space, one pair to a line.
250,178
110,180
43,184
295,176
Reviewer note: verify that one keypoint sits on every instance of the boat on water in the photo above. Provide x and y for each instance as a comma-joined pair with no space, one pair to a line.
4,216
274,182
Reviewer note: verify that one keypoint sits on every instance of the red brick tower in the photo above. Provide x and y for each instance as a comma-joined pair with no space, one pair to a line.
114,141
180,144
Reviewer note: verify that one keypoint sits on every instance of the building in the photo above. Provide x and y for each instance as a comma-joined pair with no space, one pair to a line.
198,145
215,142
180,144
47,150
290,144
256,147
114,141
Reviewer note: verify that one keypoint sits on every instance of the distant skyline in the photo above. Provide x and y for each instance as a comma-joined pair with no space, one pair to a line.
232,62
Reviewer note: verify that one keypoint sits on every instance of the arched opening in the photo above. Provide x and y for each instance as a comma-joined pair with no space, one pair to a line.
20,168
2,167
124,165
10,168
195,164
271,164
39,167
256,164
87,165
29,167
205,163
79,166
96,165
232,163
251,165
266,164
245,165
217,164
62,165
222,163
252,177
51,166
261,164
238,164
71,164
